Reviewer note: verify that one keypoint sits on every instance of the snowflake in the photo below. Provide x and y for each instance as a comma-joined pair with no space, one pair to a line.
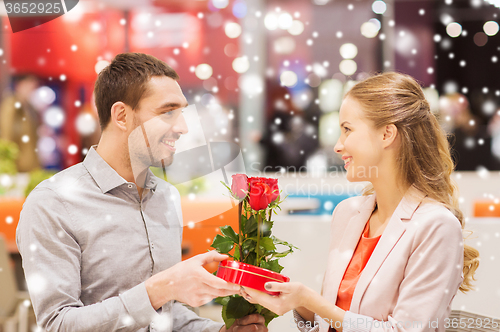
36,283
127,320
72,149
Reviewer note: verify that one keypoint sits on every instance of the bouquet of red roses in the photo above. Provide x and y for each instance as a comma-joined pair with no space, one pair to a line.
253,245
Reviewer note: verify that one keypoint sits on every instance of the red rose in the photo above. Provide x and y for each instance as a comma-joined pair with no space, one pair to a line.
239,186
260,196
272,183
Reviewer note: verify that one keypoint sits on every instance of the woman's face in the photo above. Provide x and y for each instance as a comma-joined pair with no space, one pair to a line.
359,144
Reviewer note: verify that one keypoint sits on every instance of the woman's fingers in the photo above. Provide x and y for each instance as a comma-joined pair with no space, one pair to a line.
246,293
277,304
243,293
255,296
276,286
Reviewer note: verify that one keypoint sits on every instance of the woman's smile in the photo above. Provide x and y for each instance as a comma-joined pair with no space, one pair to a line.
347,161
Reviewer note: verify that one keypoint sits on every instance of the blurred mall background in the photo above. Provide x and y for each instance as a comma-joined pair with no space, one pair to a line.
273,73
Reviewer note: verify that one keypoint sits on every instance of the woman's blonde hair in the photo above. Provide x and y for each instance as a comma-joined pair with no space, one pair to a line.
424,158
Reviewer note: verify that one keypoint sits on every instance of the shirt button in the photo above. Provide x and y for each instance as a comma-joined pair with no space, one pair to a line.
130,186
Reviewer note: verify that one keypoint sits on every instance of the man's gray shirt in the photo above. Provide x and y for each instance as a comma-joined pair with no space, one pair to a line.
88,243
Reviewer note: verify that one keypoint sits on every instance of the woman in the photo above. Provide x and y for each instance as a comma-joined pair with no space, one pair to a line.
397,255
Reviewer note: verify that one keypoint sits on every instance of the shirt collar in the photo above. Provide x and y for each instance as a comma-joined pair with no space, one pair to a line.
151,180
106,177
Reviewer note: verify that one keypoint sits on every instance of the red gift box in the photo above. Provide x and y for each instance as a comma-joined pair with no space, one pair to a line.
248,275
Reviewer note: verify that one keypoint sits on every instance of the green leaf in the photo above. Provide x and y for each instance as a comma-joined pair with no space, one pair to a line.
228,321
225,185
251,258
281,254
222,300
222,244
230,233
237,254
267,243
237,307
243,222
230,191
253,309
268,315
277,241
249,244
258,307
272,265
251,225
284,243
266,228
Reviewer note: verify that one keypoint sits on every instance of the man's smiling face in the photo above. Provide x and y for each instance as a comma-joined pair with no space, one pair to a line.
158,123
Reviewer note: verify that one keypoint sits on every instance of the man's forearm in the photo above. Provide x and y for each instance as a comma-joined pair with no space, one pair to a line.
129,311
185,320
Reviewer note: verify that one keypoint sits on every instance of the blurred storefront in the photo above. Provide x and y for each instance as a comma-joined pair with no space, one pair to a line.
273,73
278,69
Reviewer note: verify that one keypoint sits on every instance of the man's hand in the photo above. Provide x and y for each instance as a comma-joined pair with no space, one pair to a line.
188,282
250,323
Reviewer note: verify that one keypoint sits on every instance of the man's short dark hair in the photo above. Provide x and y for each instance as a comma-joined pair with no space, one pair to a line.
126,79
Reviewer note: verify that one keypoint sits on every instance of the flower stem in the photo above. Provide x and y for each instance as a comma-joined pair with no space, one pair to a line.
240,231
259,223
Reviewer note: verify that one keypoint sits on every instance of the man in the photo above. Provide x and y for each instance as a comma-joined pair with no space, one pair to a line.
101,240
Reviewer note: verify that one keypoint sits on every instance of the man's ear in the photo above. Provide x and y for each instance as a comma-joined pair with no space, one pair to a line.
390,134
119,115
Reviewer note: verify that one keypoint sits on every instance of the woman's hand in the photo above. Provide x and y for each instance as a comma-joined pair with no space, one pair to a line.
292,295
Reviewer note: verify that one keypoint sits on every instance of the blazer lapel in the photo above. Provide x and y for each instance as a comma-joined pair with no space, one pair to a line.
340,258
391,235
